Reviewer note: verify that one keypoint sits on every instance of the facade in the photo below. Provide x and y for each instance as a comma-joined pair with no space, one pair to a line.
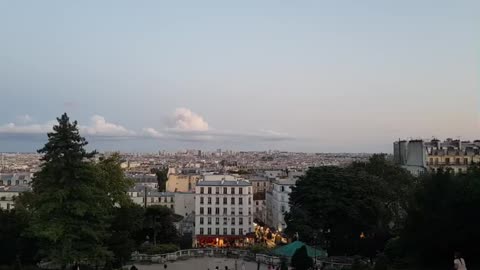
277,200
147,196
15,179
184,203
8,195
420,156
260,185
223,212
182,182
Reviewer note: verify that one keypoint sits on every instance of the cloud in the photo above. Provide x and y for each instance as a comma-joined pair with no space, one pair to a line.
24,119
151,132
100,127
186,120
12,128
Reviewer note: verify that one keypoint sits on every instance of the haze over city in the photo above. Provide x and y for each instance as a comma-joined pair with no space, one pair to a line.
348,76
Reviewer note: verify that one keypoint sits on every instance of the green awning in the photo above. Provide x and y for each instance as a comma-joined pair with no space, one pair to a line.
289,250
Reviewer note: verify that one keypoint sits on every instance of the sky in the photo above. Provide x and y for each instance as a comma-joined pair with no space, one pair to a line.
313,76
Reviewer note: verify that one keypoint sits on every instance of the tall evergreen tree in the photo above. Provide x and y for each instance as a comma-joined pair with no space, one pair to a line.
71,209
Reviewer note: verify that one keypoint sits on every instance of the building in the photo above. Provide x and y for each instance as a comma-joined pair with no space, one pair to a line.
277,199
147,196
15,179
182,182
260,185
184,203
8,195
419,156
223,212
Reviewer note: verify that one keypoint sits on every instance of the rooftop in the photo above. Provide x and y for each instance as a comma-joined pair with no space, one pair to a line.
224,183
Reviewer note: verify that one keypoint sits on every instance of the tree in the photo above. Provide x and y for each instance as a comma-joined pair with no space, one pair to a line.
158,225
70,209
353,209
301,260
442,219
162,177
127,223
114,181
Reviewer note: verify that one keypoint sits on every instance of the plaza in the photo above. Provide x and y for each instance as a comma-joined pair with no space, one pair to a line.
205,263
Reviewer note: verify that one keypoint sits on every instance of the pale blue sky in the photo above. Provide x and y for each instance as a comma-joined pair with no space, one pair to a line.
336,76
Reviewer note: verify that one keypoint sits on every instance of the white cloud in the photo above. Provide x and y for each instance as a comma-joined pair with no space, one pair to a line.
100,127
24,119
151,132
12,128
186,120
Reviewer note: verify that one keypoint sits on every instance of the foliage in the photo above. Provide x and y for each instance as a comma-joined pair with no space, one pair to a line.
113,177
158,225
441,218
127,222
162,177
15,249
350,210
259,248
159,249
71,208
283,263
301,260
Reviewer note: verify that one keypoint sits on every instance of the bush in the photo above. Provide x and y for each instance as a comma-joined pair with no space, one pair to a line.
259,248
159,249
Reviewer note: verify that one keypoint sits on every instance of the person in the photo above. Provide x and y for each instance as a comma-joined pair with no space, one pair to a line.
459,262
243,266
165,266
133,267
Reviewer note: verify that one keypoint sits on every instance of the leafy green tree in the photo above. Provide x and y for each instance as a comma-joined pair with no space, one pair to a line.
70,209
162,177
127,223
114,181
442,219
158,225
301,260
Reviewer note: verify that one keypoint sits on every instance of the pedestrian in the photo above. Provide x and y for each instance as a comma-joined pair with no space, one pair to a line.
226,267
165,266
243,266
133,267
459,262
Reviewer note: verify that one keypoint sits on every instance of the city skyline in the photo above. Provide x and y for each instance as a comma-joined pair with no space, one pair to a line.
306,77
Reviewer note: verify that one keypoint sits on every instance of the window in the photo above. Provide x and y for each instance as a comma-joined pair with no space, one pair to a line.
249,211
209,210
225,211
217,221
283,208
217,211
217,200
249,221
249,200
465,161
240,211
165,199
209,230
171,199
9,182
201,210
257,209
256,203
189,186
217,190
171,206
457,161
225,200
240,190
240,231
240,221
233,231
232,201
1,182
459,170
436,161
201,200
209,190
240,201
431,160
225,190
201,231
209,200
232,190
233,211
224,231
283,189
201,220
224,221
217,231
233,221
209,220
447,160
17,182
201,190
264,184
152,199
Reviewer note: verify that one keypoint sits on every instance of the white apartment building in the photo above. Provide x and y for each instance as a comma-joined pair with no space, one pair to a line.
8,195
223,212
277,202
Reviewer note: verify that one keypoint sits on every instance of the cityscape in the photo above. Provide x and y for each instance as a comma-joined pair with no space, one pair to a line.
239,135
